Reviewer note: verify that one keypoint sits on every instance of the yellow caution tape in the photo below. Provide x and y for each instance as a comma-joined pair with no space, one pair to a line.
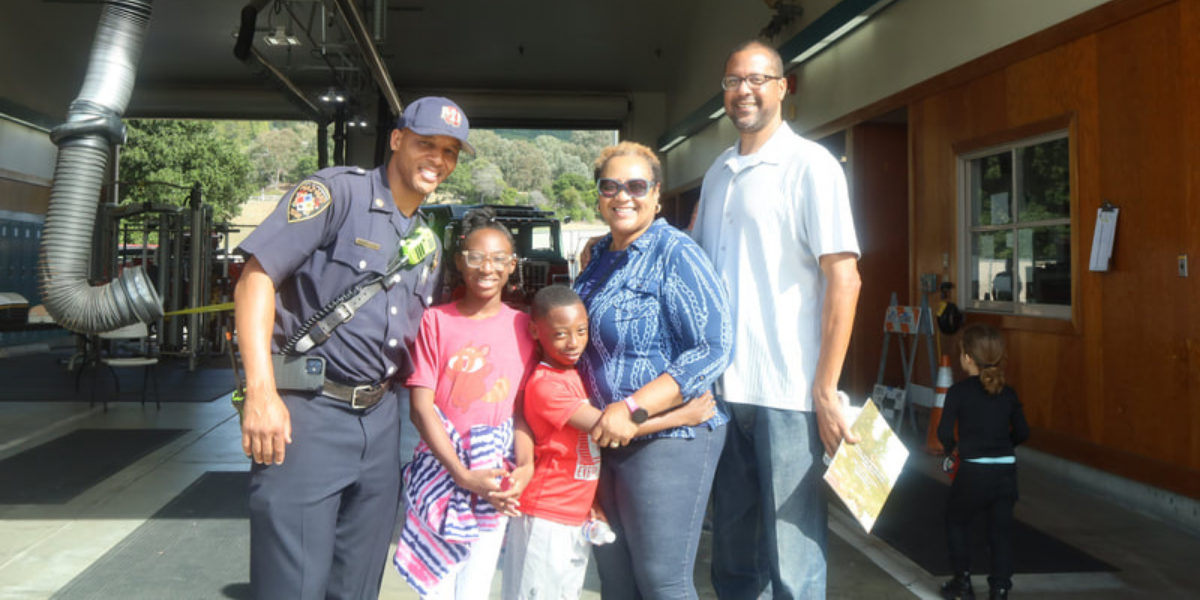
203,309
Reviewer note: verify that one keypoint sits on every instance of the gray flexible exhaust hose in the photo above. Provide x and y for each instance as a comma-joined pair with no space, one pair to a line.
85,141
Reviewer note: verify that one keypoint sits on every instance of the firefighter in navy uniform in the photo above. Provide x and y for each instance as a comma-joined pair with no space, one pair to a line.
330,300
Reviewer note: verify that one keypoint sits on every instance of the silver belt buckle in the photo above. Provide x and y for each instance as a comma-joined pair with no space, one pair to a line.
354,397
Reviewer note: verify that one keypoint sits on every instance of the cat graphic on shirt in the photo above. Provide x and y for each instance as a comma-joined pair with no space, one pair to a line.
467,370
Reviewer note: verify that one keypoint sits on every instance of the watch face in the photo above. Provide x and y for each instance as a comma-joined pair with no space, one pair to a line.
639,416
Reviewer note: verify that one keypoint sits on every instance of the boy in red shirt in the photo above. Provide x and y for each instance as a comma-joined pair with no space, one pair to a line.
547,554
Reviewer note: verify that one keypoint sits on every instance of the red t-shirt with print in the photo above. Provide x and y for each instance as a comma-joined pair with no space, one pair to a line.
566,460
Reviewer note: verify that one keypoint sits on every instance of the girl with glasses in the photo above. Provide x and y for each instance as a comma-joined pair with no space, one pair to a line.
470,363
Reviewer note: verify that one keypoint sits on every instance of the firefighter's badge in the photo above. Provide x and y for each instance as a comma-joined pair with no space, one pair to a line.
451,116
308,200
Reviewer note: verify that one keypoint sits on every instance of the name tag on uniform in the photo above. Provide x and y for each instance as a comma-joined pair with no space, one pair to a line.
366,243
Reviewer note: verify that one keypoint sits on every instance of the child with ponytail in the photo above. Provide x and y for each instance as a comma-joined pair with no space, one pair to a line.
990,424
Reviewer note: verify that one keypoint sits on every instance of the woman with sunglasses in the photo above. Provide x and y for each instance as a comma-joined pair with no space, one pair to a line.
661,333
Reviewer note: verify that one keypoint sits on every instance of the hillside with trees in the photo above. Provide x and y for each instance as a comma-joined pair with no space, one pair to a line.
234,159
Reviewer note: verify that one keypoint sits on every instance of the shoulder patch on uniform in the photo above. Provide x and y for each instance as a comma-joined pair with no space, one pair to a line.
308,200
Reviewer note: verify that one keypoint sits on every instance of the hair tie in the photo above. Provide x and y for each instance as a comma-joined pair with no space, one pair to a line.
987,365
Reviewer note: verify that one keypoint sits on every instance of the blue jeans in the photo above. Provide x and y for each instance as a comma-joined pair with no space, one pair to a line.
654,493
770,517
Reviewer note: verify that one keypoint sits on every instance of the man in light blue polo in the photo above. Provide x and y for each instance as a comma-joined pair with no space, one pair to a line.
774,218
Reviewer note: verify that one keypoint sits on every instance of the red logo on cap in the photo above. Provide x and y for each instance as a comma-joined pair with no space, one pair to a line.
451,116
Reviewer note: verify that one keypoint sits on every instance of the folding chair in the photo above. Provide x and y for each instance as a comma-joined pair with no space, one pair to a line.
128,347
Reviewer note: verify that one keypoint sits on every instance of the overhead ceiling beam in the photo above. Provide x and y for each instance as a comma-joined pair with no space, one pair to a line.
352,21
245,51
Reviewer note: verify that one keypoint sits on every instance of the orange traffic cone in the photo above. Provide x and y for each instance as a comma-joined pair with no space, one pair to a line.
944,380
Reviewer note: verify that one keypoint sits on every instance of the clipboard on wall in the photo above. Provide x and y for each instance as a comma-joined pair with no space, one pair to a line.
1104,237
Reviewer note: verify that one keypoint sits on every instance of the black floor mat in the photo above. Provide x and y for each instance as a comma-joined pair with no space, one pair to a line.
913,522
61,469
197,546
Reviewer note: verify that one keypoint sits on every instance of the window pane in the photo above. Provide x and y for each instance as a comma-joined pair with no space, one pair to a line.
1045,181
992,277
991,189
541,239
1046,264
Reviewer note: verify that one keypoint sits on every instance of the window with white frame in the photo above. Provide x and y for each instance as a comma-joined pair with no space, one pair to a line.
1015,238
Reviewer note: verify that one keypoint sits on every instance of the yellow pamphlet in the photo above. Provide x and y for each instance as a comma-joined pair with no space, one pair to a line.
864,474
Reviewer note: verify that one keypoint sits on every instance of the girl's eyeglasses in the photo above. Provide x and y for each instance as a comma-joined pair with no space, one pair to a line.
636,188
475,259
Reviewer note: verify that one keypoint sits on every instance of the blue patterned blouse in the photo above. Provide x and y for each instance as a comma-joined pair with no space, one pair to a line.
655,307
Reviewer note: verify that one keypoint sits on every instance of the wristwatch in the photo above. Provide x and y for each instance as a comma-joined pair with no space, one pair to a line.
637,414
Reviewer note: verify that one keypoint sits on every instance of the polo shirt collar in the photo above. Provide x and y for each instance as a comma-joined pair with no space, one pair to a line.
773,152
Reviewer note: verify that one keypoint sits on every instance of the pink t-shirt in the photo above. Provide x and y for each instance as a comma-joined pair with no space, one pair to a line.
476,367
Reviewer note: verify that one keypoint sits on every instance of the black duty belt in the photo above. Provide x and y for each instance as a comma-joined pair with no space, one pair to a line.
358,396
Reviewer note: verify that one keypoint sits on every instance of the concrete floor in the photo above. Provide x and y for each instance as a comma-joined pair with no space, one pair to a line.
44,547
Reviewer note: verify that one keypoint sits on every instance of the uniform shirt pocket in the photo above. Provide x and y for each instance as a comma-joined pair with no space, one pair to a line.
359,257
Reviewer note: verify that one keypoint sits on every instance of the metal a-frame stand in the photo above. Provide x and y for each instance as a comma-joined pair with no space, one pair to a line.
915,322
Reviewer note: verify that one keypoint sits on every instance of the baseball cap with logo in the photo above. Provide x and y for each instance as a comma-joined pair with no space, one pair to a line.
433,115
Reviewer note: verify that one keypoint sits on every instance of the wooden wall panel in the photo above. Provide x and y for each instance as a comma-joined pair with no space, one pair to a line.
963,112
1190,126
1039,91
1118,386
1140,106
877,170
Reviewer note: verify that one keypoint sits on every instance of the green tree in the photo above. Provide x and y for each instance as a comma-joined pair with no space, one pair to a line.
241,133
307,165
549,169
184,153
276,153
459,186
524,166
488,144
511,197
575,196
488,181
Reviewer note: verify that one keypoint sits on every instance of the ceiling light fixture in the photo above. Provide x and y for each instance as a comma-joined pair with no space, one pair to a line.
672,143
281,37
828,40
333,96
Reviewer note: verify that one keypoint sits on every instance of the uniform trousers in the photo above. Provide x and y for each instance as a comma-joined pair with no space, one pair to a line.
321,522
992,490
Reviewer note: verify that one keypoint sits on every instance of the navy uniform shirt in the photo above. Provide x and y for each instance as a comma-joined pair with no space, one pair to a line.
334,230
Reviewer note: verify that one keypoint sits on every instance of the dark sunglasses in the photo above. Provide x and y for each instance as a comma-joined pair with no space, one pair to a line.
636,188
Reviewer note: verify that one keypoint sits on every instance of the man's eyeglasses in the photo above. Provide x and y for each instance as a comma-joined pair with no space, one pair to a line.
636,188
475,259
756,80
